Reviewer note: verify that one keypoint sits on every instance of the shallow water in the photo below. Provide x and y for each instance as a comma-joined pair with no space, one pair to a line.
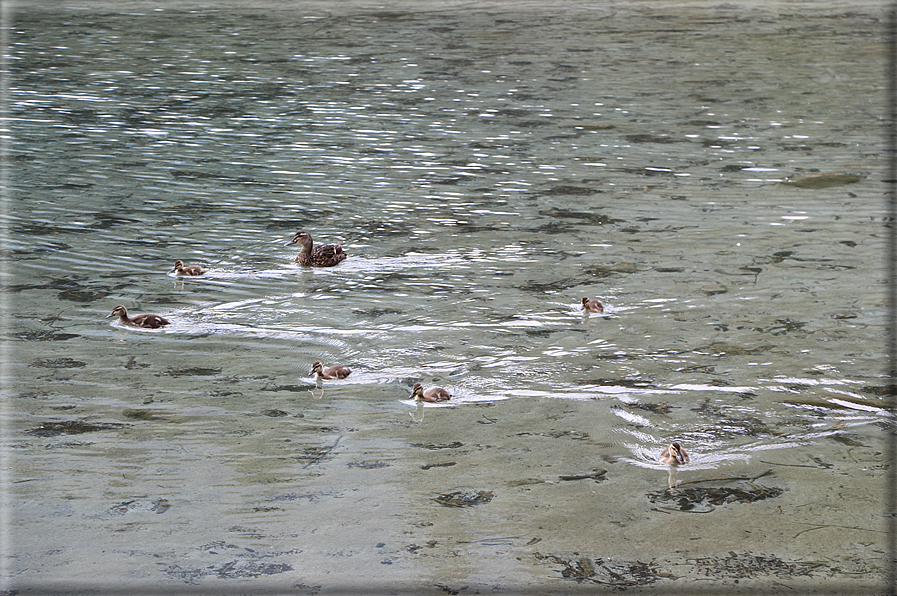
485,167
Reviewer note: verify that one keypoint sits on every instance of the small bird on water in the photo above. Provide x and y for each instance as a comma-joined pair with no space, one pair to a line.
188,270
673,455
326,255
332,372
433,395
147,321
592,304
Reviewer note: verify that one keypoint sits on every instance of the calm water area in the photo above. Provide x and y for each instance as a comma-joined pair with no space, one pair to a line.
711,171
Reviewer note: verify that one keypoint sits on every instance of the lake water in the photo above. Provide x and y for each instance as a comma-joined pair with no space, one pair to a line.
712,171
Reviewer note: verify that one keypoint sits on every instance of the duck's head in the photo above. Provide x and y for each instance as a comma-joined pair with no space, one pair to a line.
178,265
585,301
118,311
417,391
303,238
678,452
316,368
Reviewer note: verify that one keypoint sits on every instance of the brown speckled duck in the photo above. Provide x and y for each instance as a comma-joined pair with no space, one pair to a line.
148,321
326,255
188,270
673,455
332,372
592,304
433,395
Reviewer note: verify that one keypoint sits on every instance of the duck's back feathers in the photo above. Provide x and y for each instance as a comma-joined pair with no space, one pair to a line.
337,372
327,255
149,321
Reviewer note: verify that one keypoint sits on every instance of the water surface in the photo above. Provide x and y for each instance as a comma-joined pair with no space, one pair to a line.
712,172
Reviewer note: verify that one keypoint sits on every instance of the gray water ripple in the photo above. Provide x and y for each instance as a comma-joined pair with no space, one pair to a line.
483,172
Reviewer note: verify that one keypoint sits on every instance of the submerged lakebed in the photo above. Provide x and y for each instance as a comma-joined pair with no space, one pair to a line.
484,167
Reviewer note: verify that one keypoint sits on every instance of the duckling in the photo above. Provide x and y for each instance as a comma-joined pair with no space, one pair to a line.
326,255
432,395
333,372
188,270
147,321
592,304
673,455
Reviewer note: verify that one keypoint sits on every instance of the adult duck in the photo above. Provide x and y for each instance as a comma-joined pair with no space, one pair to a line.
326,255
188,270
332,372
592,304
433,395
673,455
148,321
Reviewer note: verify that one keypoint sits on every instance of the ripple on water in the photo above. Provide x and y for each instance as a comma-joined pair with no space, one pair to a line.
481,187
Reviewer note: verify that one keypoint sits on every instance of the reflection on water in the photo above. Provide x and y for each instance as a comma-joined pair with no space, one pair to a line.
484,170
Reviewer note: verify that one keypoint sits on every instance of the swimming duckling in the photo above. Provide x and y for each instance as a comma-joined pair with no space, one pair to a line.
188,270
673,455
147,321
333,372
433,395
592,304
326,255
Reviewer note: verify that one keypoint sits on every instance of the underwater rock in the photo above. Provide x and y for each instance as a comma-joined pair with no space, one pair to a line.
618,573
464,498
70,427
821,180
58,363
689,498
